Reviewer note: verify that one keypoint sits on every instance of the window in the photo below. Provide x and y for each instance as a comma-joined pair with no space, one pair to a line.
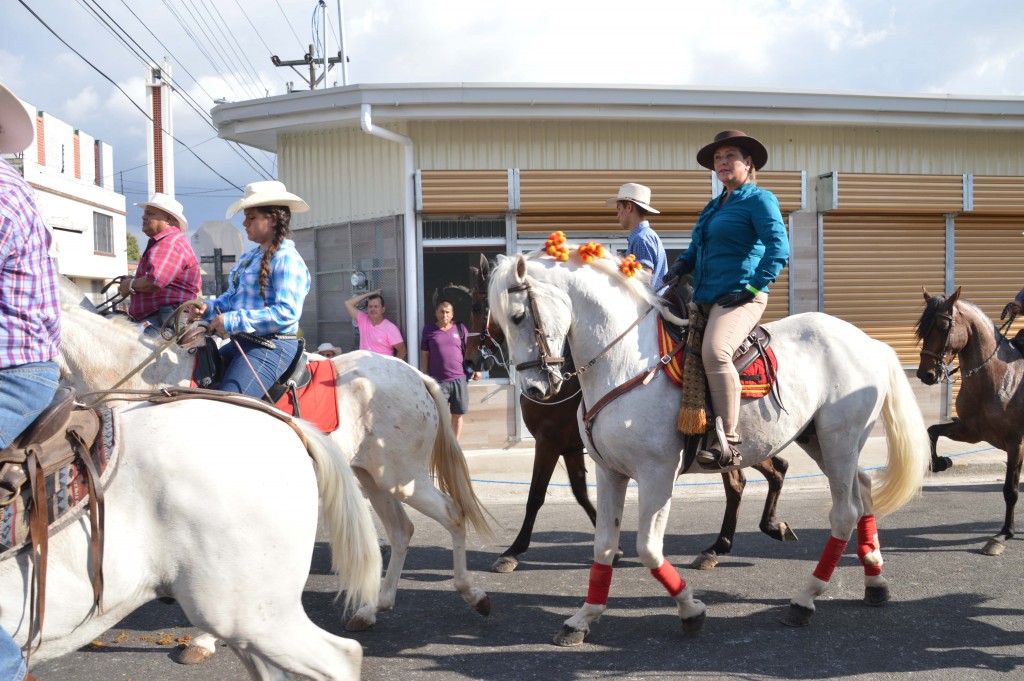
103,233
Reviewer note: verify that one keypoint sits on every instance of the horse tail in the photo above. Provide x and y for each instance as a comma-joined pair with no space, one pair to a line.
907,439
355,555
448,465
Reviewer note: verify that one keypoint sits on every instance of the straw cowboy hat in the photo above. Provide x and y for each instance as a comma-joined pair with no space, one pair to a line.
17,129
169,205
327,347
267,193
637,193
733,138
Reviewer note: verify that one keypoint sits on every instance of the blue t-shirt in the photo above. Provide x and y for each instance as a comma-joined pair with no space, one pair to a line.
644,244
445,351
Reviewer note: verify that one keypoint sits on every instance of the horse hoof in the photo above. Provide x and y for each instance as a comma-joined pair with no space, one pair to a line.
359,623
941,463
619,553
705,561
797,616
994,547
692,625
505,564
567,637
483,606
787,533
876,595
194,655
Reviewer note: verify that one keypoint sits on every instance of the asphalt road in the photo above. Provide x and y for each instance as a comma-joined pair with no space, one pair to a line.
955,613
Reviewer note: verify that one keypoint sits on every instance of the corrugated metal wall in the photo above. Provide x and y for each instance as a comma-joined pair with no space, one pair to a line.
874,268
344,175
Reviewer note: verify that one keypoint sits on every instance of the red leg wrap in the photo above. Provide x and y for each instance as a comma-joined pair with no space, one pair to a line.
829,559
669,578
600,582
867,541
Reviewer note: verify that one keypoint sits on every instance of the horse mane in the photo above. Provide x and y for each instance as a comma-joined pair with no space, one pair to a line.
931,307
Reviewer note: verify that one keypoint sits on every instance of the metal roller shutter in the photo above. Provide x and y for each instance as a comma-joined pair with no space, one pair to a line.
866,193
874,268
462,192
989,263
998,194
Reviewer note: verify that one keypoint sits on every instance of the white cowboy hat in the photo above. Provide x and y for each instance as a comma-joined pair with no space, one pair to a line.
267,193
169,205
327,346
17,129
637,193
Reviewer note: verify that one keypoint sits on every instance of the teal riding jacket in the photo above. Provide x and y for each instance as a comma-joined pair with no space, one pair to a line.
740,243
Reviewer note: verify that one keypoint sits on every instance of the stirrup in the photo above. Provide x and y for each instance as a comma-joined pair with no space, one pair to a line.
713,457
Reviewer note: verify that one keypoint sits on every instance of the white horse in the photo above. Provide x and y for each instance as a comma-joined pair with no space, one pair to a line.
834,381
395,432
193,480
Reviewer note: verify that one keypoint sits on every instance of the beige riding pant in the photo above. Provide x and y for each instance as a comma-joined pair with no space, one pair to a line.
725,330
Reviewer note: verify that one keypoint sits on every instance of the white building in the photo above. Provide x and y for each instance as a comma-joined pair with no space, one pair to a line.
72,174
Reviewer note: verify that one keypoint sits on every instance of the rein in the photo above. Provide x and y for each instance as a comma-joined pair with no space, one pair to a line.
171,331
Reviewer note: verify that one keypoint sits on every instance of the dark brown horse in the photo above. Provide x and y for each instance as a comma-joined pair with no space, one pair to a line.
990,405
556,434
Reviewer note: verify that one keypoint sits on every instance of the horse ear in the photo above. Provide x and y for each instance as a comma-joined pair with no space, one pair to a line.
520,267
433,299
956,294
927,296
485,266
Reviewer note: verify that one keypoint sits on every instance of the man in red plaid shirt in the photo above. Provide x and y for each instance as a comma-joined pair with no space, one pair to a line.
168,272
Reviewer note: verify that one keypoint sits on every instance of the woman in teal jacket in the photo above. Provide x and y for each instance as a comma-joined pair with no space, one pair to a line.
738,247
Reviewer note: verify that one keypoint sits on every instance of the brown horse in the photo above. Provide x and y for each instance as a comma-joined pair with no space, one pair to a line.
990,405
554,427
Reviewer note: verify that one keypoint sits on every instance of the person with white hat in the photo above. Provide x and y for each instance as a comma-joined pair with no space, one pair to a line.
633,204
29,311
328,350
168,272
737,248
266,290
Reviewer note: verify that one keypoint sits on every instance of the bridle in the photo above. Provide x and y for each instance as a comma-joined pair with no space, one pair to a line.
946,368
546,360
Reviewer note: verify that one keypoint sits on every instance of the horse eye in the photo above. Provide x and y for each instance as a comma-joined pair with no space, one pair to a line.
518,318
477,308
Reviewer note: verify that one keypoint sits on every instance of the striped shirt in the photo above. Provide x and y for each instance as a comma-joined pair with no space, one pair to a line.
170,264
243,308
29,299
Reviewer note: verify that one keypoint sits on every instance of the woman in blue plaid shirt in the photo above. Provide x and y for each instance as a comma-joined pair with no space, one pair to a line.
260,310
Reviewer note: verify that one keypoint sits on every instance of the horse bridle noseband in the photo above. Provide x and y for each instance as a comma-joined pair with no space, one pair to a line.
546,360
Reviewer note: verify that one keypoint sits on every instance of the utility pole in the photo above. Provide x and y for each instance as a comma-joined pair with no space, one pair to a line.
218,259
313,80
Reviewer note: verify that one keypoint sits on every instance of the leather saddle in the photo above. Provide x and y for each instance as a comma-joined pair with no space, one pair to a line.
209,370
60,435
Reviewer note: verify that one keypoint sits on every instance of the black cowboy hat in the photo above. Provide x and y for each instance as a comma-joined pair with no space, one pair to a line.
733,138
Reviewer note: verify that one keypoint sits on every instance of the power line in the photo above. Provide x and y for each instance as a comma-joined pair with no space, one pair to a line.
228,69
111,81
288,21
230,35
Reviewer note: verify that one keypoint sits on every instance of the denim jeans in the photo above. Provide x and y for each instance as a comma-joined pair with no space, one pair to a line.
269,364
12,666
25,391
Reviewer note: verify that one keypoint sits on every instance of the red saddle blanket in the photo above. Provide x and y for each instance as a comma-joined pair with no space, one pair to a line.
755,380
318,400
67,490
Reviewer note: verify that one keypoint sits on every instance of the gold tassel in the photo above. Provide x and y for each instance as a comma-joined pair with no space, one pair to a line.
692,421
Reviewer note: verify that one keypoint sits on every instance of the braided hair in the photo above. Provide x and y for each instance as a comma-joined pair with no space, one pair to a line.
281,232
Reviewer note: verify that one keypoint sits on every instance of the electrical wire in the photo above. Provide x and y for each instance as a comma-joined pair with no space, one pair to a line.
119,89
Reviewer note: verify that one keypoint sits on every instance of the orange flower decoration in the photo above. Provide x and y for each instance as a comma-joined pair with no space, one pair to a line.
555,246
591,251
629,266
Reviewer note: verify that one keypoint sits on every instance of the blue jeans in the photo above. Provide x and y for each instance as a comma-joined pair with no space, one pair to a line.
269,364
25,391
12,666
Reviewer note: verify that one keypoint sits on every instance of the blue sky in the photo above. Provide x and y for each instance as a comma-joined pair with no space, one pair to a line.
910,46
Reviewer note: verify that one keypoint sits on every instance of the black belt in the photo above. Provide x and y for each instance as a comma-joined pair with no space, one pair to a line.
266,341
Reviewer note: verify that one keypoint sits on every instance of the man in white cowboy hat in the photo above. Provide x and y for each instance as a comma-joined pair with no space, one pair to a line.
633,205
328,350
168,272
29,311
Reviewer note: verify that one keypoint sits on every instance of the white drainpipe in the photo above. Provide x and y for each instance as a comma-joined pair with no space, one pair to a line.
412,340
